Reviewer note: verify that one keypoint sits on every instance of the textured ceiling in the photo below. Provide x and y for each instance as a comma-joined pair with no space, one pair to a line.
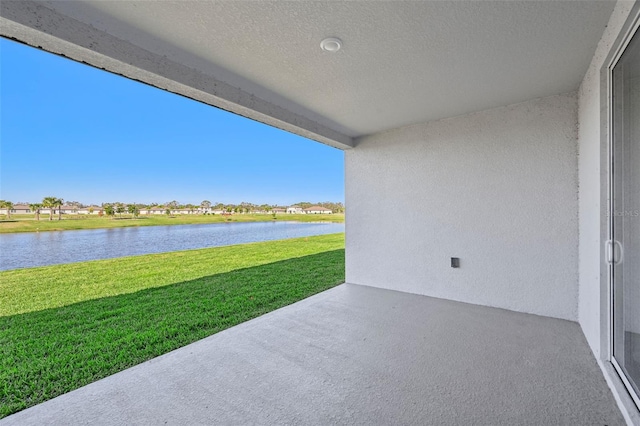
401,62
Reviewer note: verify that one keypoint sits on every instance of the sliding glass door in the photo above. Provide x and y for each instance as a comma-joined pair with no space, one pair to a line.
623,250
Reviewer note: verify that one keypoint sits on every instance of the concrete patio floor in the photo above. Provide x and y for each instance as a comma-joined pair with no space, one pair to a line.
358,355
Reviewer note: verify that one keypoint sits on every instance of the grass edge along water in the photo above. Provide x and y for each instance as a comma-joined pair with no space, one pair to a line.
27,223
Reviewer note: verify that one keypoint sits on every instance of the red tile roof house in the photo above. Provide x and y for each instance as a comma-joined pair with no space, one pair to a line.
505,132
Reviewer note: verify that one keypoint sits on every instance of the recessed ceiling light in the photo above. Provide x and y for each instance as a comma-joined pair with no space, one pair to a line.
331,44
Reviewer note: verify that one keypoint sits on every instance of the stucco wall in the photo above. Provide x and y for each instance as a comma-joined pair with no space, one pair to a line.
592,177
497,188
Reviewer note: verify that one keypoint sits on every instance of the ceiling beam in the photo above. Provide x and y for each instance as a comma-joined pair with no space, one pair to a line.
32,23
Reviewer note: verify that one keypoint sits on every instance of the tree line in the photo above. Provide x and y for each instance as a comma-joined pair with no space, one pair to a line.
113,208
50,203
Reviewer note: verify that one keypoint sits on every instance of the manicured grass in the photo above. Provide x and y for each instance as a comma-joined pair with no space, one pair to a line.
27,223
65,326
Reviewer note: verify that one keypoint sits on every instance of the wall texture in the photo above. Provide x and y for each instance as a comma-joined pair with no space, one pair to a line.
592,177
497,188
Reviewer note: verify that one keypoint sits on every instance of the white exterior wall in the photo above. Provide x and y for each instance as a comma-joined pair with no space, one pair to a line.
497,188
593,177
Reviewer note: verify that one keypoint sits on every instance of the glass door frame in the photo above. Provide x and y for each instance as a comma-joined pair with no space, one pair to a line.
610,248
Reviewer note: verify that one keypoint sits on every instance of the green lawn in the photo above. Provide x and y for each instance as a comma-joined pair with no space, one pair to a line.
27,223
64,326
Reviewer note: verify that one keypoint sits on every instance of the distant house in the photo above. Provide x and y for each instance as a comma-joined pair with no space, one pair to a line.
152,210
278,210
21,209
17,209
317,210
61,209
184,211
90,210
69,209
295,210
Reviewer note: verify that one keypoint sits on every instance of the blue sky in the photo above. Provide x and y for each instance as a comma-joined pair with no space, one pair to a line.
81,134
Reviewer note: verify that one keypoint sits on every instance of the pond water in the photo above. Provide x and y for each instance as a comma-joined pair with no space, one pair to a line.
26,250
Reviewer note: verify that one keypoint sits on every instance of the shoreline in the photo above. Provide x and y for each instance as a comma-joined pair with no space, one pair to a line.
27,223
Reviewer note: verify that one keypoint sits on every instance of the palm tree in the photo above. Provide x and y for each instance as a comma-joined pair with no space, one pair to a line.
4,204
58,203
49,203
36,209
